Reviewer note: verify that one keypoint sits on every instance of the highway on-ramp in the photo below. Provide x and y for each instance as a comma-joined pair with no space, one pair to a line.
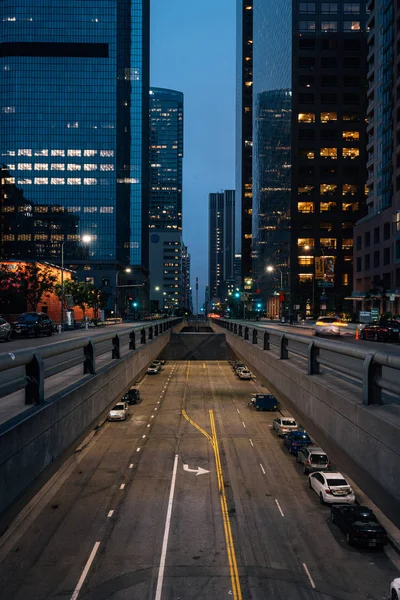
192,497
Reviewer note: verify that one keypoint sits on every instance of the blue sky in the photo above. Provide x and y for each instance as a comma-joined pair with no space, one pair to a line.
193,51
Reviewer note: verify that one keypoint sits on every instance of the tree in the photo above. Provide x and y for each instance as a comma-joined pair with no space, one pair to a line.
34,281
96,299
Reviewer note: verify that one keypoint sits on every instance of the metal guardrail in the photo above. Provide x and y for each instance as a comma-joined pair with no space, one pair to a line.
34,360
376,372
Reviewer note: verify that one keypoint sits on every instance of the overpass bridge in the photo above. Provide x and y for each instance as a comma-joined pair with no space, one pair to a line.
194,416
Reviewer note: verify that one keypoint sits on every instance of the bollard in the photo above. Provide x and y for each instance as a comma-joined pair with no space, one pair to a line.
132,340
371,392
89,363
34,371
313,364
116,351
283,348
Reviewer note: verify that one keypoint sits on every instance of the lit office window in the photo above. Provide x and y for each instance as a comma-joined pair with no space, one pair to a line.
57,167
57,181
328,116
107,153
25,166
73,167
305,207
90,167
41,153
330,153
24,152
41,167
106,167
58,153
89,181
351,136
41,181
351,153
74,181
306,118
74,152
89,152
349,26
328,189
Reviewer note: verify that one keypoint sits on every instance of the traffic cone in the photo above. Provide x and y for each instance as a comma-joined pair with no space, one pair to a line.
357,334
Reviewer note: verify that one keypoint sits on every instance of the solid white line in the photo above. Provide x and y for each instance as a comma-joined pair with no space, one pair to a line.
121,487
166,532
110,513
251,442
85,571
262,468
308,575
244,424
279,507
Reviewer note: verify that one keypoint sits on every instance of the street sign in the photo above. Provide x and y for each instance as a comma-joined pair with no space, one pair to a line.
392,297
374,314
296,307
325,283
323,306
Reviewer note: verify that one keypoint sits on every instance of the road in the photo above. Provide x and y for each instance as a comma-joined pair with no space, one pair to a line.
123,519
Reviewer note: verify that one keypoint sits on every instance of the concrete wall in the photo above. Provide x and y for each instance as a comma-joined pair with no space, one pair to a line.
33,442
198,346
366,438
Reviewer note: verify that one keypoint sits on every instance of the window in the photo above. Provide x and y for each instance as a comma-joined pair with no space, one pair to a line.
328,26
328,116
305,189
329,80
386,231
307,8
305,207
351,136
347,243
349,26
327,206
329,153
57,167
359,264
329,44
41,167
105,282
376,235
89,280
367,239
305,277
306,134
306,118
307,26
73,152
351,80
328,134
351,62
306,153
24,166
328,189
305,260
349,189
376,259
58,153
386,256
306,61
351,8
359,242
306,98
306,80
306,44
353,117
73,167
307,170
329,8
301,242
326,226
329,62
351,153
345,279
351,98
329,98
328,243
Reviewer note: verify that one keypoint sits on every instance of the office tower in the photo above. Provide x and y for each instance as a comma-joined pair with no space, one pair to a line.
221,242
377,235
186,289
272,72
244,139
328,150
74,124
165,215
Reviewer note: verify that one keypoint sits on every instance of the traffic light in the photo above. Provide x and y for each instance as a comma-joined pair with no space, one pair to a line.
237,294
135,304
258,304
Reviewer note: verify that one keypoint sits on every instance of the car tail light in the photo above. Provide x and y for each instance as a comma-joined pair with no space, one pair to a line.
328,492
308,462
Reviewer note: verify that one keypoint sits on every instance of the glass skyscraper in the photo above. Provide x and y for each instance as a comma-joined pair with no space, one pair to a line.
74,130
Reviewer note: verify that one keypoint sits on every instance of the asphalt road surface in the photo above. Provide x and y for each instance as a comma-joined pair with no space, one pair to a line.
129,517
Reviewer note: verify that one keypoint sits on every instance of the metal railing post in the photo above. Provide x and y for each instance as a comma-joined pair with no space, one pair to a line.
235,328
150,333
116,351
241,330
371,392
266,341
34,371
132,340
255,340
246,333
143,336
313,364
156,330
89,354
283,348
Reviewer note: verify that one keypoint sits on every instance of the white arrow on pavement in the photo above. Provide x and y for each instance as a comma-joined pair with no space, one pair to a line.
198,471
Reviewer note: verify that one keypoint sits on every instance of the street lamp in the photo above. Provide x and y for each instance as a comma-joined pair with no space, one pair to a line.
86,239
271,269
127,270
157,288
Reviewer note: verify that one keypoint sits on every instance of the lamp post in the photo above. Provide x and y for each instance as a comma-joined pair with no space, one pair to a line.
127,270
271,269
86,239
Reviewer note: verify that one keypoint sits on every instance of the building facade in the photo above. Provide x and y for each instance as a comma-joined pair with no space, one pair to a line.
377,246
221,242
186,287
329,53
244,135
165,214
74,122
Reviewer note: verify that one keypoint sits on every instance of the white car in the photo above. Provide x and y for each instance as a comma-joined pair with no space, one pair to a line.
395,589
158,363
119,412
331,488
332,326
283,425
244,374
153,369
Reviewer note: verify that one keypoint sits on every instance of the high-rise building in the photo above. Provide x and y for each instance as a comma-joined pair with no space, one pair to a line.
186,289
329,156
166,157
377,235
244,137
75,92
221,241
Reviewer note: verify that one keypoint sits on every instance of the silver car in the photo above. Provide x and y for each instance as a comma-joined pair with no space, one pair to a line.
313,458
119,412
332,326
283,425
5,330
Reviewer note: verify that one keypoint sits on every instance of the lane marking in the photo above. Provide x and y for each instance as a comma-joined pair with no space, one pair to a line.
137,449
152,417
262,469
238,411
309,576
110,513
244,424
166,532
251,442
85,571
131,466
121,487
279,507
155,408
143,436
148,425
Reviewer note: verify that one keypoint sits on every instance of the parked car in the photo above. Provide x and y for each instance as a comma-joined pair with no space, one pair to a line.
244,374
395,589
359,524
153,369
32,323
313,458
158,363
331,488
119,412
384,330
132,396
5,330
294,440
263,402
238,365
332,326
239,369
283,425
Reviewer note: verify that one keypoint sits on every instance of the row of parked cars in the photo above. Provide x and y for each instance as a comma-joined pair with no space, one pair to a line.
358,523
26,325
155,367
240,370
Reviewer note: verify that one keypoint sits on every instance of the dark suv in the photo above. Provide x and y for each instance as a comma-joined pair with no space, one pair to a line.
384,330
132,396
32,324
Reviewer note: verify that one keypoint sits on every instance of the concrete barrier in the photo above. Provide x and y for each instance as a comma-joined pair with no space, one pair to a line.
31,442
197,346
366,437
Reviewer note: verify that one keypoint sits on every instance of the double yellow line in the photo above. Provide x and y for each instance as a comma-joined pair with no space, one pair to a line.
233,569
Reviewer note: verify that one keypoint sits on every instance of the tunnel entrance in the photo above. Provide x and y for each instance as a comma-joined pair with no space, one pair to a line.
191,344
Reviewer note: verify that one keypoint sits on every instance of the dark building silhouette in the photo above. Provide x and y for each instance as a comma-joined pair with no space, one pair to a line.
221,242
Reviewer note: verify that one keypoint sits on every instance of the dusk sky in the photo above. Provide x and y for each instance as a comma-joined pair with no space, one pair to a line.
193,51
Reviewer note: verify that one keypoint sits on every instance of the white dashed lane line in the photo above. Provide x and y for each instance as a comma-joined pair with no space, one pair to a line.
238,411
262,469
131,466
244,424
110,513
309,575
279,507
137,449
251,442
121,487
